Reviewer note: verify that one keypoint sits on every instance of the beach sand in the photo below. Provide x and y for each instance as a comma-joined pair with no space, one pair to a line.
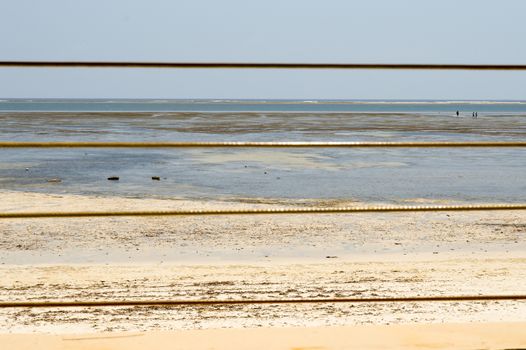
269,256
451,336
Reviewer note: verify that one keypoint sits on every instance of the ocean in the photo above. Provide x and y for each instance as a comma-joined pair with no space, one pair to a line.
212,105
365,175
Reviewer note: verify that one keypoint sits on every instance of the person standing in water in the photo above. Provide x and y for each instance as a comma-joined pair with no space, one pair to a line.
458,113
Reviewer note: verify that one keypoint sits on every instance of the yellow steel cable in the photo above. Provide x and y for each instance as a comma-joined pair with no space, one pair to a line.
259,65
483,207
300,144
113,303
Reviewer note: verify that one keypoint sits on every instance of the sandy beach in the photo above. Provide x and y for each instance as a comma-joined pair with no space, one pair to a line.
266,256
296,256
443,337
281,175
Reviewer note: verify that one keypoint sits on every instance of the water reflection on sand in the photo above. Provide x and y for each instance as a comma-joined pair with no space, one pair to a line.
362,174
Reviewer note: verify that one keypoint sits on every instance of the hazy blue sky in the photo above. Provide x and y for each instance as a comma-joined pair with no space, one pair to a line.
393,31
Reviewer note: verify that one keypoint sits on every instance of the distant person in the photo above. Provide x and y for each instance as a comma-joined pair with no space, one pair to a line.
473,115
476,114
458,113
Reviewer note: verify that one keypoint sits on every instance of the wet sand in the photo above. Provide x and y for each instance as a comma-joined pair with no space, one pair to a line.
295,125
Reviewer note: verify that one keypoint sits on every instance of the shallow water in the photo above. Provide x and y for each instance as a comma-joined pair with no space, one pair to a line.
463,174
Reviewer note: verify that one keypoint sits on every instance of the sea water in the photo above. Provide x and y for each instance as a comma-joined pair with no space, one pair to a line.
210,105
368,175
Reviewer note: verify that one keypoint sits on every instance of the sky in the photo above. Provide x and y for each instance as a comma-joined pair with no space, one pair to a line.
338,31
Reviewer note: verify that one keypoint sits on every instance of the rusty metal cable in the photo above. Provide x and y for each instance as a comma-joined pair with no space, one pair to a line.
265,211
115,303
242,144
259,65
